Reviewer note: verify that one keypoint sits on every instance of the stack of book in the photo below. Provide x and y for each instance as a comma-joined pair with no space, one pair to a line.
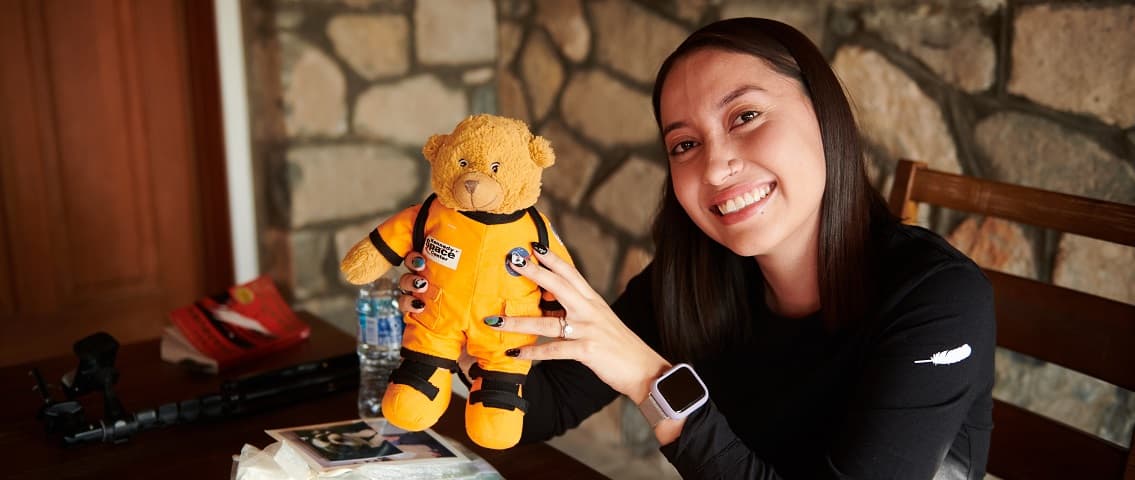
245,322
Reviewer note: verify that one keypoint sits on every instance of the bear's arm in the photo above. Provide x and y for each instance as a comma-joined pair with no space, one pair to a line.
395,236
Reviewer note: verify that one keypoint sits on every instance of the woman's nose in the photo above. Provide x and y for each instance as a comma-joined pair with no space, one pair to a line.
721,163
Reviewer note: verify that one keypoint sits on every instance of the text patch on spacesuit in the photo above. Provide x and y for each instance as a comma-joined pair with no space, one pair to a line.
442,253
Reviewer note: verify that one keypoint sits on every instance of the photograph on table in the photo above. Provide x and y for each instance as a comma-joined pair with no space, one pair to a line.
353,442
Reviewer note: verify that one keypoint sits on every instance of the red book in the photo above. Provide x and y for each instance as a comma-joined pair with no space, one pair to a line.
216,332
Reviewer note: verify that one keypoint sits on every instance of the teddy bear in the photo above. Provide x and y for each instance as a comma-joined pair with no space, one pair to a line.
481,217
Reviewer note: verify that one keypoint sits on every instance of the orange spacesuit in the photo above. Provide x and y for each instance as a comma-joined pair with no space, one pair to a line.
468,253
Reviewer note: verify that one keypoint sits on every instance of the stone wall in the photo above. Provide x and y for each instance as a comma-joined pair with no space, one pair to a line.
343,96
344,93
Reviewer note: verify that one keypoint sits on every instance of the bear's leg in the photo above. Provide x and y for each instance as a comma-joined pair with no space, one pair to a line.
494,416
419,391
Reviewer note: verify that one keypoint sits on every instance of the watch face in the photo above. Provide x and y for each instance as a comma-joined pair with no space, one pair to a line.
681,389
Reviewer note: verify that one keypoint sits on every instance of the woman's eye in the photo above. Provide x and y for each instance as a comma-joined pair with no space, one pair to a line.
462,163
495,166
682,147
745,117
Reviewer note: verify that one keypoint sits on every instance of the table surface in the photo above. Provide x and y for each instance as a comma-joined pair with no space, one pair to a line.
205,449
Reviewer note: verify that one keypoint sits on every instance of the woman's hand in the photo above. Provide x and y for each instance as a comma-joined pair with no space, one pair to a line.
597,338
589,333
413,284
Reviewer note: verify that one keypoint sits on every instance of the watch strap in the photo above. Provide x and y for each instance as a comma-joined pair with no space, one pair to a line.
652,411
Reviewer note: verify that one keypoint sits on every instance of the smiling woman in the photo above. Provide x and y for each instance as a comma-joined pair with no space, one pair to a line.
762,141
765,126
779,270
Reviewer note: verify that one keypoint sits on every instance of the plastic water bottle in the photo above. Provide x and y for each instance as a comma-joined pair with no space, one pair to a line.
380,343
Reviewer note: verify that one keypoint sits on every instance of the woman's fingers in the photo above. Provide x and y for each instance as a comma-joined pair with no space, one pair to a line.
551,281
561,350
410,304
411,282
564,269
415,261
542,326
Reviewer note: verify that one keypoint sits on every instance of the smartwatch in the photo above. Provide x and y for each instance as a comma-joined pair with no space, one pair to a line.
676,394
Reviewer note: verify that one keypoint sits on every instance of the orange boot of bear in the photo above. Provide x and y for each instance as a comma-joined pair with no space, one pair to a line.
409,409
494,416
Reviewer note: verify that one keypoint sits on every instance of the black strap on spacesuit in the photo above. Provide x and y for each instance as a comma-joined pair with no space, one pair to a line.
542,234
549,305
389,254
541,228
420,223
416,370
498,389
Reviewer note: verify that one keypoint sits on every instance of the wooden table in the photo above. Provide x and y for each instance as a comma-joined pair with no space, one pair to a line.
205,449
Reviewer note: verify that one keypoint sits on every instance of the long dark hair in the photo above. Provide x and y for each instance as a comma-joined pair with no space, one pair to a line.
698,284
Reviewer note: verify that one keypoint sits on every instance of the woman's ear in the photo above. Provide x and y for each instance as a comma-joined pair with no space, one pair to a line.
541,152
433,145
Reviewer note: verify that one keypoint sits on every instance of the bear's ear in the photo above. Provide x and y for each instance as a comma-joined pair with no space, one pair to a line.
433,145
541,152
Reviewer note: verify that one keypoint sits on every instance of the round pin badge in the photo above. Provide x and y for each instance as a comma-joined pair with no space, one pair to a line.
518,257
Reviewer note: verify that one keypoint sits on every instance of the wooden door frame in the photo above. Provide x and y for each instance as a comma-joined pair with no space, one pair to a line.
209,142
161,78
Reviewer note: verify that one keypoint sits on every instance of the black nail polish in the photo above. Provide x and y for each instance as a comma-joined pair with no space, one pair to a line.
512,352
417,304
418,263
419,283
494,321
540,248
518,261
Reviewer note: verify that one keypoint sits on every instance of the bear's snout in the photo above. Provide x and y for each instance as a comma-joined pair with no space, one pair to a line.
475,191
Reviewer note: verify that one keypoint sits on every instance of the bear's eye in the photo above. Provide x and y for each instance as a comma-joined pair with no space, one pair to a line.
495,166
462,163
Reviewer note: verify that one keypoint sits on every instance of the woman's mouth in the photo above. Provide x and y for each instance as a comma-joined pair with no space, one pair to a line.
745,200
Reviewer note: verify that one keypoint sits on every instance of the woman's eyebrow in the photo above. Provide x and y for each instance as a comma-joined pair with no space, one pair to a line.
671,127
729,97
737,92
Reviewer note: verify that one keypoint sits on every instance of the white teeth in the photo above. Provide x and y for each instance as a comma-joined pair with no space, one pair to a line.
744,200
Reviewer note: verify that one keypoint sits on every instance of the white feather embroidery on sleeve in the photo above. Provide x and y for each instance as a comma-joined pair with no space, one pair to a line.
947,357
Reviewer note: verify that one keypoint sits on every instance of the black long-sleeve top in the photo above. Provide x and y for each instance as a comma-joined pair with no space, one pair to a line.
905,396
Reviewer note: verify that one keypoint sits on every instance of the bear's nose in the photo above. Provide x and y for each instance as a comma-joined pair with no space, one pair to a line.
470,185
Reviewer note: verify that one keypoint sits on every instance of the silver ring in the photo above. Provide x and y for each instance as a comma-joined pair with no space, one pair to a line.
565,329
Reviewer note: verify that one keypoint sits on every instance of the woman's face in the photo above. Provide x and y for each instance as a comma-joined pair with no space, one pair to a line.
745,152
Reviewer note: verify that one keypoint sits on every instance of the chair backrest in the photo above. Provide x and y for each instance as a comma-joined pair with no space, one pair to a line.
1082,332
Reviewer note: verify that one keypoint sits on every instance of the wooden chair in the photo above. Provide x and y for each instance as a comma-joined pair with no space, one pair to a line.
1082,332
